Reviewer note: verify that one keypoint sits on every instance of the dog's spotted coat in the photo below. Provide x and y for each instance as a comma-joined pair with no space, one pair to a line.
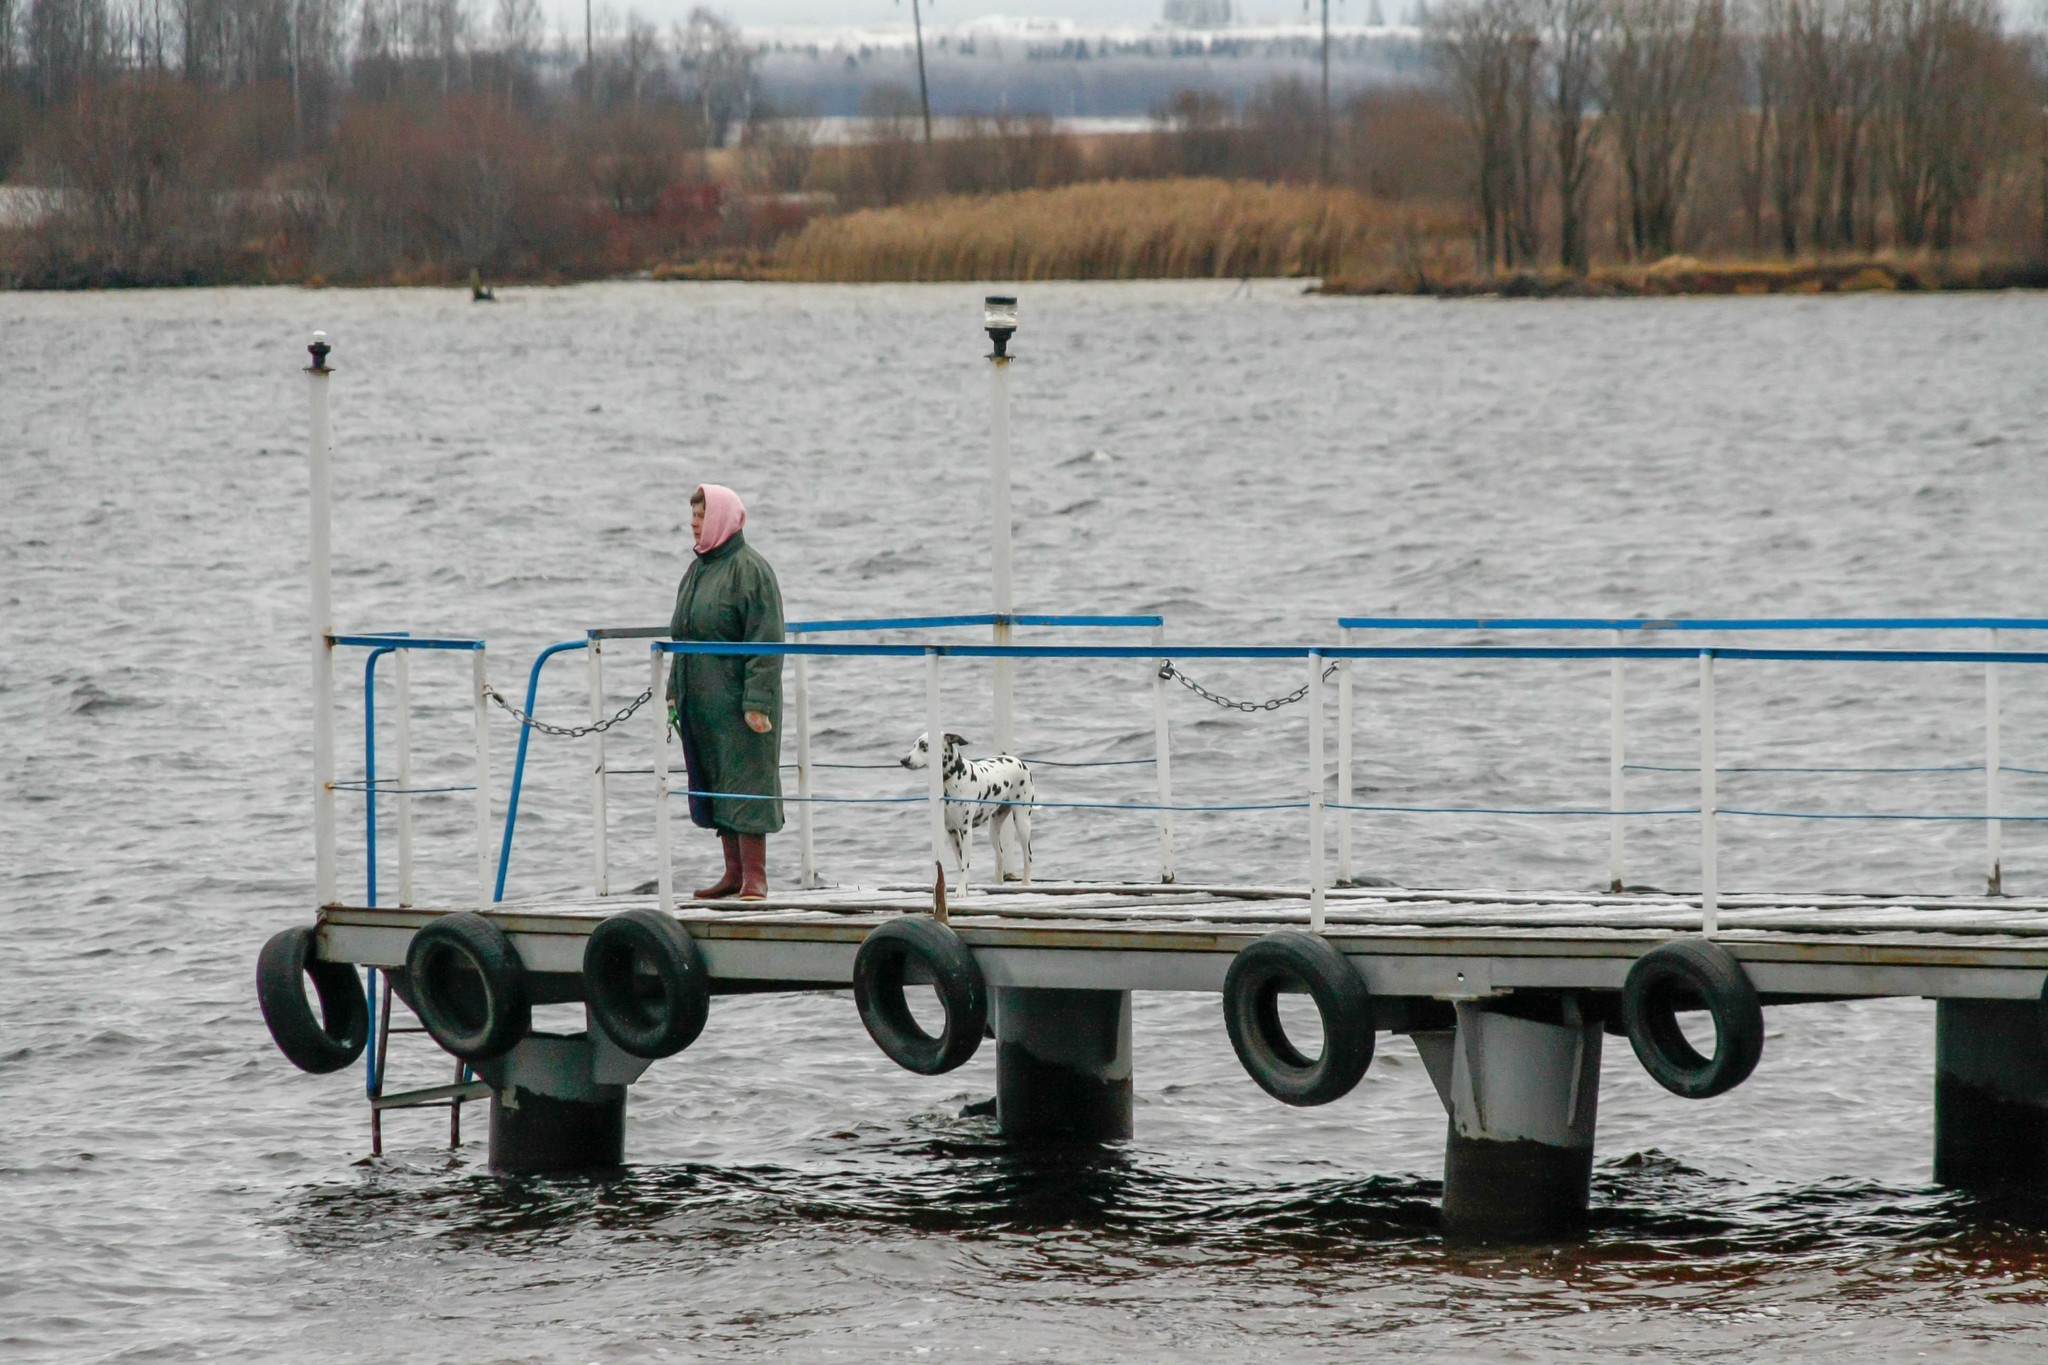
996,792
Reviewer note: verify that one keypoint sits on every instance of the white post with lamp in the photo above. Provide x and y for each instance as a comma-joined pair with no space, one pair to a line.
999,319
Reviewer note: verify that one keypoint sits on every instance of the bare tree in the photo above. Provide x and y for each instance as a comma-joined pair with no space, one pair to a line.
890,157
516,29
1835,47
719,67
1486,50
10,40
66,44
640,57
1572,33
1951,87
1524,166
1758,79
1663,76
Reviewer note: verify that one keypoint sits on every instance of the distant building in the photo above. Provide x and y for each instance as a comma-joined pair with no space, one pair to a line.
1066,69
1197,14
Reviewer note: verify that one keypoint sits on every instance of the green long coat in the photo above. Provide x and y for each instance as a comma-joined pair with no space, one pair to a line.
730,594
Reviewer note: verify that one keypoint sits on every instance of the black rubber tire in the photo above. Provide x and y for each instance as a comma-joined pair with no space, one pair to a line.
1693,973
1251,1011
469,986
879,971
646,983
320,1044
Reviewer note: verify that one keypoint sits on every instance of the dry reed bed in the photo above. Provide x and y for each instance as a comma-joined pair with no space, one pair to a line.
1118,229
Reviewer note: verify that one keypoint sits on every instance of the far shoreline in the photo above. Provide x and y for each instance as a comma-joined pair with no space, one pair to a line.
1687,277
1679,277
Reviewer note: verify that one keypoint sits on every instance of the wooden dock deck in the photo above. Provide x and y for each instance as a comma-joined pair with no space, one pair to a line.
1450,945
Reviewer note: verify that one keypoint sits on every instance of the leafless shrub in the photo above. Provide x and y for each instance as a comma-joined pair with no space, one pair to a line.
780,147
889,163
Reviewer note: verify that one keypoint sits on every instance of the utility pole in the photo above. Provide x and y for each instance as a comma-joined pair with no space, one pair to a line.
589,61
924,94
1326,91
298,107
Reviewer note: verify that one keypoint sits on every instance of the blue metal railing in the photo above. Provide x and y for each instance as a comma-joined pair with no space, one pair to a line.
1334,652
972,619
381,644
1337,652
1794,623
882,623
398,639
519,763
1989,624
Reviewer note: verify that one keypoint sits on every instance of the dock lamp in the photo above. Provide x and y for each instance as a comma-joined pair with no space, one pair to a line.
999,319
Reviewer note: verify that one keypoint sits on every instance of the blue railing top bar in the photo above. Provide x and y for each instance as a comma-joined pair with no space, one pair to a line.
1688,624
989,651
974,619
399,641
987,618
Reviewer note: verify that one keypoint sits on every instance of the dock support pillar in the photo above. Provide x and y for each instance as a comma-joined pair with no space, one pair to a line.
1063,1064
558,1104
1991,1096
1523,1096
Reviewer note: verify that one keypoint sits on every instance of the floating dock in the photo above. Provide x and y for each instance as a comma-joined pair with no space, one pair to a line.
1507,996
1465,944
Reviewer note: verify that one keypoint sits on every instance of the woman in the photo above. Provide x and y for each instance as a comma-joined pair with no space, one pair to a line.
727,707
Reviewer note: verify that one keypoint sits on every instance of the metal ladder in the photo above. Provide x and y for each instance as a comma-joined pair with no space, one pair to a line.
449,1097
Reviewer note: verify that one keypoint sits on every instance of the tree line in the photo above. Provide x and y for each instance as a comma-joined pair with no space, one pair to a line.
192,140
1829,125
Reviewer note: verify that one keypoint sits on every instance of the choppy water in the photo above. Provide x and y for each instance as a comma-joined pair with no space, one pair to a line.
1252,466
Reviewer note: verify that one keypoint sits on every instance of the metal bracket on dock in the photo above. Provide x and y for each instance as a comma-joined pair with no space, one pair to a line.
433,1095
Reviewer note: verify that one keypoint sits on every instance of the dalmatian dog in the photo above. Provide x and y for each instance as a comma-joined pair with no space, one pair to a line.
996,792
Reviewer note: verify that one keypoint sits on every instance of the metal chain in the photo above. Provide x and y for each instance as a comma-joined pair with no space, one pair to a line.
1167,670
571,731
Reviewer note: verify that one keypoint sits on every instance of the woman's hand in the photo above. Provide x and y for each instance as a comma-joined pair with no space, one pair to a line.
758,722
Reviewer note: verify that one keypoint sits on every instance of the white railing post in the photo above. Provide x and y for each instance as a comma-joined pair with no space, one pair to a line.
321,442
1994,828
402,681
999,544
805,845
935,753
1317,873
1617,758
665,863
1710,890
480,682
1345,758
600,816
1162,756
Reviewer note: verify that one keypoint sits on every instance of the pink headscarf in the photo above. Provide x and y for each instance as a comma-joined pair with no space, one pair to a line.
724,514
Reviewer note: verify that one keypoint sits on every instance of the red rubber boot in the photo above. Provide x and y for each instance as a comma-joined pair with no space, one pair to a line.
730,882
753,867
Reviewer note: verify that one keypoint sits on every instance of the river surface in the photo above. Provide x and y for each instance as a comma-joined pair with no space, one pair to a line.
1251,464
